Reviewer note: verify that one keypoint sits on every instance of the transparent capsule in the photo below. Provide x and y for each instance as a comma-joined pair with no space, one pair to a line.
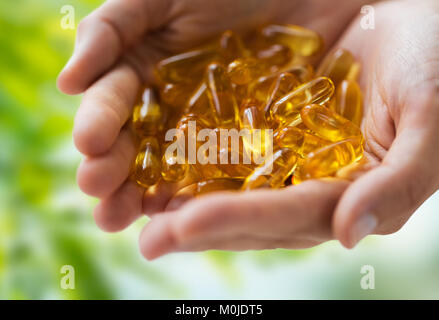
275,57
304,73
337,66
244,71
329,159
298,140
147,165
273,172
198,104
185,67
148,117
302,41
221,96
348,101
287,109
327,124
214,185
231,47
174,166
252,116
177,95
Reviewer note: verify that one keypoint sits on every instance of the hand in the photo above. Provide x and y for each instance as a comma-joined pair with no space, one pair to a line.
401,126
117,46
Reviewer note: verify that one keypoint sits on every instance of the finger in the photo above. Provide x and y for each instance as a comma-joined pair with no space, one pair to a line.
119,210
382,200
104,110
100,176
302,211
103,36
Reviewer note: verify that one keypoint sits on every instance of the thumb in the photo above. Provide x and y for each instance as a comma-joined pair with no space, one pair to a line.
382,200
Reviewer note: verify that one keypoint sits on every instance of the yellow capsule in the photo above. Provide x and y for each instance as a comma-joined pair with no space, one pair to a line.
275,57
327,124
298,140
215,185
273,172
337,66
284,83
329,159
174,166
198,105
148,117
302,41
177,95
231,46
287,109
147,165
185,67
252,116
348,101
245,70
304,73
241,93
221,96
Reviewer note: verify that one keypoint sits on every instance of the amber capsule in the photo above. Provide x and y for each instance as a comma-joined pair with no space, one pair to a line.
174,166
302,41
275,57
147,165
287,109
221,96
348,101
327,124
185,67
243,71
214,185
337,66
329,159
304,73
274,171
298,140
198,104
231,47
252,116
148,117
177,95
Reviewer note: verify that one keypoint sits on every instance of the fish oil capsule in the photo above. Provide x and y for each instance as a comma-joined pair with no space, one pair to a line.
304,73
348,101
275,57
185,67
177,95
198,104
337,66
241,93
244,71
302,41
284,83
327,124
287,109
274,171
147,165
221,96
231,47
148,118
221,184
329,159
298,140
174,166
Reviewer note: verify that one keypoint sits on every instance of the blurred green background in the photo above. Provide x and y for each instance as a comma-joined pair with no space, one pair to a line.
46,222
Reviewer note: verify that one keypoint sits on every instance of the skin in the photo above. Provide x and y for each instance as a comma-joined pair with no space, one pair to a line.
119,43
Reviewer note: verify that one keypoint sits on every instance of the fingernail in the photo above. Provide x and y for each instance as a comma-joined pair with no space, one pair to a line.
363,227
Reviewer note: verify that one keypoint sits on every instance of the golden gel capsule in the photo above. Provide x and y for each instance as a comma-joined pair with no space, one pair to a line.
198,104
275,57
304,73
328,160
302,41
336,66
177,95
348,101
252,116
174,168
287,109
284,83
244,71
273,172
221,96
231,47
185,67
298,140
147,166
148,114
327,124
221,184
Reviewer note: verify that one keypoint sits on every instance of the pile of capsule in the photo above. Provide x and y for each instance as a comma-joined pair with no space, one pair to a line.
262,81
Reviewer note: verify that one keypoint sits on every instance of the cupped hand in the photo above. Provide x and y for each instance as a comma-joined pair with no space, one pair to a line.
116,48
